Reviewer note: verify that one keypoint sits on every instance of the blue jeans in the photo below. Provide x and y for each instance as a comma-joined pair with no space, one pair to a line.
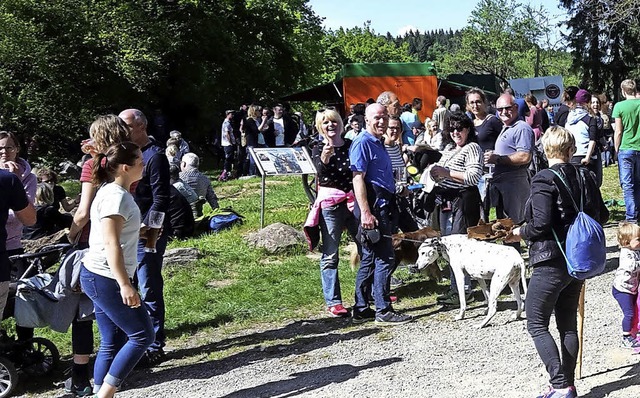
377,262
334,219
125,332
627,303
151,286
629,167
552,289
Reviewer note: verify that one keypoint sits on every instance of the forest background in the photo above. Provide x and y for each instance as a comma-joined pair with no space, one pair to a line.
63,62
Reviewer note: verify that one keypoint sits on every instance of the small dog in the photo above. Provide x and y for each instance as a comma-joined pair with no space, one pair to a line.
405,246
481,260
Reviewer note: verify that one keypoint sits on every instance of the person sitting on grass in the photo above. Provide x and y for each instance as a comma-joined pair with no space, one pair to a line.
193,177
60,198
49,220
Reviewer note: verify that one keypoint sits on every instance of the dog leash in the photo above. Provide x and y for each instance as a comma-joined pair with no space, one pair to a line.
405,239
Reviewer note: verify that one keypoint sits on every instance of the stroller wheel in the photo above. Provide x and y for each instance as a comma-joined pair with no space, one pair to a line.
39,357
8,377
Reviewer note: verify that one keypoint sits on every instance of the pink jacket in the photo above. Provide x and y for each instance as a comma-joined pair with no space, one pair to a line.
327,197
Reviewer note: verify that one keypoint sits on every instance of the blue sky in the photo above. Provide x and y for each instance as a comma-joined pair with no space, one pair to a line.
398,16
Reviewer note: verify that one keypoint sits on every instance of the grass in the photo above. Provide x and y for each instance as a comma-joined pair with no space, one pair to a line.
233,283
238,286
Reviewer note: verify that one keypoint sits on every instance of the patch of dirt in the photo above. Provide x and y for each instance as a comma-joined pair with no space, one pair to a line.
434,356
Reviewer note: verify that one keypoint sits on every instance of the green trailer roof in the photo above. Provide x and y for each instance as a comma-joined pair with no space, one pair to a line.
388,69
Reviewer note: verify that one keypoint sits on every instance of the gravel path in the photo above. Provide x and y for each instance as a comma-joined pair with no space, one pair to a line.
431,357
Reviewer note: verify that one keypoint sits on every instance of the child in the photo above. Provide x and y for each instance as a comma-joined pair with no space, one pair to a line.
109,266
49,220
625,282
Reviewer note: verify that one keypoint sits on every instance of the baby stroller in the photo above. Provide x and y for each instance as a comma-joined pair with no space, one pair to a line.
37,356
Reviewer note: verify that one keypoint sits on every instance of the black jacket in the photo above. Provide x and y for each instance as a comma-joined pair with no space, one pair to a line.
550,206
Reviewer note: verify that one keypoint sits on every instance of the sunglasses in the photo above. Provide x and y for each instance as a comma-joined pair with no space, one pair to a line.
328,108
456,128
505,108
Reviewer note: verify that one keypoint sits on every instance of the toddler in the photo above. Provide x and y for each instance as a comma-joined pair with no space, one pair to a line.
625,283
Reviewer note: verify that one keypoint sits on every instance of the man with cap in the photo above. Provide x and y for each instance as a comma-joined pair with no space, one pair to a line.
584,128
228,143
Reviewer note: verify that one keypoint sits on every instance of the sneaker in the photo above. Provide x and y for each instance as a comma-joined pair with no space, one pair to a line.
395,282
80,389
552,393
367,315
392,318
629,342
455,300
337,311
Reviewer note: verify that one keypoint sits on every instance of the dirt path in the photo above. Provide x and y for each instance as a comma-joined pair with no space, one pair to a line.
431,357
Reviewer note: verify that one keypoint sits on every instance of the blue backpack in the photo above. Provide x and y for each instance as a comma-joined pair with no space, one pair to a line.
223,219
586,249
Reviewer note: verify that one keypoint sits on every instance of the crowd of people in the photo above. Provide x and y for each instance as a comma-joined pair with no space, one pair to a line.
504,155
138,192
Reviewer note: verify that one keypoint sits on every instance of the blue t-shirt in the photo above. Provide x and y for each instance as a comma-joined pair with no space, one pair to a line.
523,108
367,155
518,137
408,119
13,198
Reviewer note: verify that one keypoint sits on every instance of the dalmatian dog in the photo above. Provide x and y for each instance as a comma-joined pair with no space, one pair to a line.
481,260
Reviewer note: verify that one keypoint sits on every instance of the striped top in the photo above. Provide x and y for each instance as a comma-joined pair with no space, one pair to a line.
397,163
467,159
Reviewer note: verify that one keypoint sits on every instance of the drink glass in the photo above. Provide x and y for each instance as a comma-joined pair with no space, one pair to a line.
489,165
154,222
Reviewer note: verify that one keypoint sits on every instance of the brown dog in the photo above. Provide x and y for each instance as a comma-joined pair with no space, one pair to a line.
405,246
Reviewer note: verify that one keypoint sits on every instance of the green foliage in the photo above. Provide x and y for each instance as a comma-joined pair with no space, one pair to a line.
358,44
605,41
64,62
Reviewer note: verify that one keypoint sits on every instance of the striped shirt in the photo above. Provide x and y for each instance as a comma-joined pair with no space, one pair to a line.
467,160
397,163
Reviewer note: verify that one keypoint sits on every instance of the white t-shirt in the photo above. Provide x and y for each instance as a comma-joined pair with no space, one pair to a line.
278,129
112,199
227,131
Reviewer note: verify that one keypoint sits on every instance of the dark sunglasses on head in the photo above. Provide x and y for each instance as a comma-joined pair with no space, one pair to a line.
328,108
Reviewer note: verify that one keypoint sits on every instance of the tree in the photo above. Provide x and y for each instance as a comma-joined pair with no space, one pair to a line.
358,44
64,62
605,40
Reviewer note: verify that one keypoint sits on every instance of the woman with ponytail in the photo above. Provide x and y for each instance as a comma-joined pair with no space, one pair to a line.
109,266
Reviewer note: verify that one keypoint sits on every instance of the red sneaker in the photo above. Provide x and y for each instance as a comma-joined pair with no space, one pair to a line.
393,299
337,311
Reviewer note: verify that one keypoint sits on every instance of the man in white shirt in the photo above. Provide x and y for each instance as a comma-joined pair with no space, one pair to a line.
228,143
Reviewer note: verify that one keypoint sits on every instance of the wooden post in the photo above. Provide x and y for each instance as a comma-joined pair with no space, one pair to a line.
580,331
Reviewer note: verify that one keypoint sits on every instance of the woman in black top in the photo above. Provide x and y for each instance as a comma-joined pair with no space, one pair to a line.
488,127
551,288
568,98
335,191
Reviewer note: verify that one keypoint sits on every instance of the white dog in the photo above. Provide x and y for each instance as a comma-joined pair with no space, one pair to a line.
481,260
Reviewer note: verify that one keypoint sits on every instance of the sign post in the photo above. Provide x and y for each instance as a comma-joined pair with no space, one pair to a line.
279,162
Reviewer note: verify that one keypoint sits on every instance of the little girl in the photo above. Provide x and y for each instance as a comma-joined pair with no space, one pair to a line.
625,282
110,265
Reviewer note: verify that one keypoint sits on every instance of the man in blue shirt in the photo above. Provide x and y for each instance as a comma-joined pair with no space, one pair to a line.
511,157
13,198
374,188
152,193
